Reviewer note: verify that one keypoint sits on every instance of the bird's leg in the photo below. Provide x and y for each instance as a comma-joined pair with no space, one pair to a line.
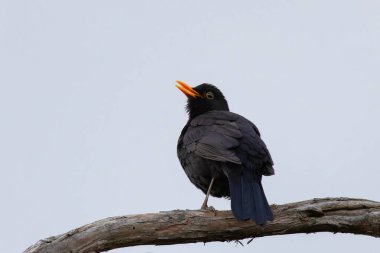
204,205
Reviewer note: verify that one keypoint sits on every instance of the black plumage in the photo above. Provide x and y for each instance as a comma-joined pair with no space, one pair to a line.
226,147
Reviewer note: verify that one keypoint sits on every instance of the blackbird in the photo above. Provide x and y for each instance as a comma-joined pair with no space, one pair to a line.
223,155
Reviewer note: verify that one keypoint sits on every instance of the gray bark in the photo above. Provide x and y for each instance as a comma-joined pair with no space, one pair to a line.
343,215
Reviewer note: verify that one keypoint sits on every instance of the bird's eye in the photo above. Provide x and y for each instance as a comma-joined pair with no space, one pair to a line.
209,95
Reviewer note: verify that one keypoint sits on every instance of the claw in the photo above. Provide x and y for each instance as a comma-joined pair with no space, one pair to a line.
209,209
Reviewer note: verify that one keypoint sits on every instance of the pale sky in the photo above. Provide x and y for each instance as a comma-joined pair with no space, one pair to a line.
90,116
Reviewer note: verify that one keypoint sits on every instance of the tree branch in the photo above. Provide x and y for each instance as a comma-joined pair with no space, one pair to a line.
343,215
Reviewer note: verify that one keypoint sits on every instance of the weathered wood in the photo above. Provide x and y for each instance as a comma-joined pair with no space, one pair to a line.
343,215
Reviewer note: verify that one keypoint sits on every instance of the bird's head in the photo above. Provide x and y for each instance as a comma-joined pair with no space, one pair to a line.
202,98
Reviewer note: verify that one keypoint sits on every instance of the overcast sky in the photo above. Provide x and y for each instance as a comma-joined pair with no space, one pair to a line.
90,116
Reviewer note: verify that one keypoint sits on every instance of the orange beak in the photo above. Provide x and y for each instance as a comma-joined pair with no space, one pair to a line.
187,90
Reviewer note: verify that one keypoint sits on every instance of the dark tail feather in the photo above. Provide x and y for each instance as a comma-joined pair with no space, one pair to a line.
248,200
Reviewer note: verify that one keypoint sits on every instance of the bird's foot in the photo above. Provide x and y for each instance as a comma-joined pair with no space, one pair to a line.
209,209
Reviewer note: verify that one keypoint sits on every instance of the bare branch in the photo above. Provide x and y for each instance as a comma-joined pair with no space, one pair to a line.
343,215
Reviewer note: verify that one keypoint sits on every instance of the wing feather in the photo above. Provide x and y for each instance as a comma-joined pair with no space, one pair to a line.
213,137
227,137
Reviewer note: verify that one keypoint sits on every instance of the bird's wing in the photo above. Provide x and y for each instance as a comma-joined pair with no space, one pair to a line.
214,136
253,147
228,137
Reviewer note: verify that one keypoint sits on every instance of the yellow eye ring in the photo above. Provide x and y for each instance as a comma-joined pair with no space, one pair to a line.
209,95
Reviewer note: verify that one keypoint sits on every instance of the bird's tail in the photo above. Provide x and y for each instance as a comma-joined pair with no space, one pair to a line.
248,200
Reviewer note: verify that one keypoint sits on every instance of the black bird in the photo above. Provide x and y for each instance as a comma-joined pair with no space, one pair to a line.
223,155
